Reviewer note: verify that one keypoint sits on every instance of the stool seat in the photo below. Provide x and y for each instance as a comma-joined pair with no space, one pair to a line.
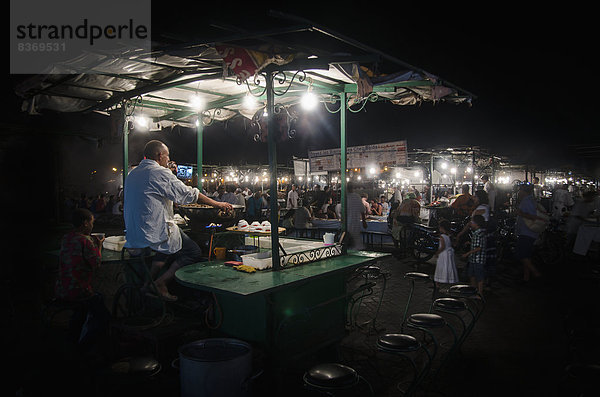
331,375
398,343
427,320
450,304
137,366
417,276
463,290
372,270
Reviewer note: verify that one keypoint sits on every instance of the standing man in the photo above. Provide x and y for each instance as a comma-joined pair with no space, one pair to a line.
292,198
490,189
150,191
357,217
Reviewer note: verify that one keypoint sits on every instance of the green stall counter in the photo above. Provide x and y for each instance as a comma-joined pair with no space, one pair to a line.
290,312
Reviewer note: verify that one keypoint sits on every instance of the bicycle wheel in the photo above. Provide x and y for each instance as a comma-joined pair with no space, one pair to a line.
423,247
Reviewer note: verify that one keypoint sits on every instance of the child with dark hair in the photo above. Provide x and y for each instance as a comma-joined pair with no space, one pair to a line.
445,269
477,253
80,256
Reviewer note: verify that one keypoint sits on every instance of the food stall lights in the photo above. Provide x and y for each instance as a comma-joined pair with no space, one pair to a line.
142,122
469,169
114,169
398,175
300,178
444,165
250,102
347,179
196,102
212,180
202,180
453,170
417,174
372,170
309,101
358,177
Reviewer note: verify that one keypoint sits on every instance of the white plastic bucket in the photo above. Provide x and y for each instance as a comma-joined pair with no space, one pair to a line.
328,238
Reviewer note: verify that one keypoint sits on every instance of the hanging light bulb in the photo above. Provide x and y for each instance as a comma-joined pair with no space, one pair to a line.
196,102
250,102
142,122
309,101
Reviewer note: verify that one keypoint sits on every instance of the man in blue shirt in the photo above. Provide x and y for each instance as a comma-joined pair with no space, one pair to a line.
525,236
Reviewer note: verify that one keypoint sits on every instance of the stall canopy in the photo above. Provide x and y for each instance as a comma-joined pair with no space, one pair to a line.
256,74
224,71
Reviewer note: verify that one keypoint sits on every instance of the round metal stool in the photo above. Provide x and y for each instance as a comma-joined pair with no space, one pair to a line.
332,378
427,322
413,277
401,345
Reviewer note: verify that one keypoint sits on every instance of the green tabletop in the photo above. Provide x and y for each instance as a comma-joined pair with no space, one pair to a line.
217,277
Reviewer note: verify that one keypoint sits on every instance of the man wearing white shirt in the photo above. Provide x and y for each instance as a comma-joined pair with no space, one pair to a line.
292,199
150,190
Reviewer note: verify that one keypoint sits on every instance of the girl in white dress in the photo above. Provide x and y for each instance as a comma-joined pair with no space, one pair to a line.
445,269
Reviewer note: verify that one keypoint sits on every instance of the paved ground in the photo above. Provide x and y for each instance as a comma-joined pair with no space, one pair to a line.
520,346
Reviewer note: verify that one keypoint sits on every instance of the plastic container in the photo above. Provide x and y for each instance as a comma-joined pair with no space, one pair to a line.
114,243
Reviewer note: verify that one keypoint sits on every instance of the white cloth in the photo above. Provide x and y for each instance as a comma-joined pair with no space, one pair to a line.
292,199
354,208
445,268
585,235
579,212
150,191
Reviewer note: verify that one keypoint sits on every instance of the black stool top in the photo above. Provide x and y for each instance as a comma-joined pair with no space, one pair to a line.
398,343
137,366
331,375
426,320
450,304
462,290
417,276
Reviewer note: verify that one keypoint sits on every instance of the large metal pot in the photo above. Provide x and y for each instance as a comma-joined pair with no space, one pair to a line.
202,215
215,367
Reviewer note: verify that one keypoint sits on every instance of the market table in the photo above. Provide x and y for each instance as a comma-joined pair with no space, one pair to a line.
288,313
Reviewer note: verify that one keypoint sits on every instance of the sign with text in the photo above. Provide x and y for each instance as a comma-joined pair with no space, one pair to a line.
381,154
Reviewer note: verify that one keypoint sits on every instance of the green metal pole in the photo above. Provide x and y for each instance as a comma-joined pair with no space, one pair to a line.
125,144
344,222
199,140
271,130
